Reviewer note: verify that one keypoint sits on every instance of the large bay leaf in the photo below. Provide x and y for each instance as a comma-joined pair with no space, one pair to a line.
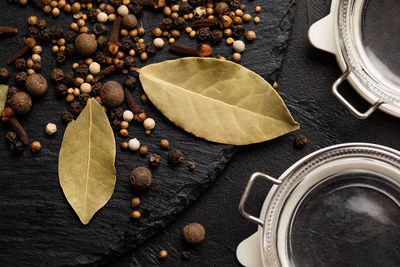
217,100
3,95
86,161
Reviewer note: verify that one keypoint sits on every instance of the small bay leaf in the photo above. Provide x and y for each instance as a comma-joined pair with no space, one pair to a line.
3,95
86,161
217,100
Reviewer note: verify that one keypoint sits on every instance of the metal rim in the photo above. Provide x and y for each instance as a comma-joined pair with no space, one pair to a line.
293,176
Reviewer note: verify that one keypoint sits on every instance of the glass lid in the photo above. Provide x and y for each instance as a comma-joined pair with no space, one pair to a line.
368,33
339,206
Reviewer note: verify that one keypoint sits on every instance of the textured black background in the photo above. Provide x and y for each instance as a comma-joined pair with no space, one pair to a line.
305,82
37,226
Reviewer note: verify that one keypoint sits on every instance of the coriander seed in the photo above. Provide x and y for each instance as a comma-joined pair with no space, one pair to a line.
143,150
135,202
256,20
124,132
135,215
124,124
257,9
236,57
32,20
36,146
250,35
163,254
164,143
246,17
124,145
229,40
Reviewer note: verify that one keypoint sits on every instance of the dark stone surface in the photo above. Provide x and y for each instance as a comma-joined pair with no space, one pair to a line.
304,83
38,227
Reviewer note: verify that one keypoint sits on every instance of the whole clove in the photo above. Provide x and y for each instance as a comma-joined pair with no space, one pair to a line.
8,115
202,50
8,30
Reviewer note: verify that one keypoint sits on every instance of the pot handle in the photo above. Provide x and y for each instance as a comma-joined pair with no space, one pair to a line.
354,111
246,192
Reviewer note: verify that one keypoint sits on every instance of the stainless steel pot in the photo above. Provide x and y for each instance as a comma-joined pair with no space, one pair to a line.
341,199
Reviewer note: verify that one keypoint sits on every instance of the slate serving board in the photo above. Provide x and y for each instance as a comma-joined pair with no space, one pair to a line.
37,225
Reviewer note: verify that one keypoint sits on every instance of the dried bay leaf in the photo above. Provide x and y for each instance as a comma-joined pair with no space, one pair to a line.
217,100
86,161
3,95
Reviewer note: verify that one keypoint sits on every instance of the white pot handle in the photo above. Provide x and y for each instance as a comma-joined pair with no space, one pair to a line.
248,252
321,34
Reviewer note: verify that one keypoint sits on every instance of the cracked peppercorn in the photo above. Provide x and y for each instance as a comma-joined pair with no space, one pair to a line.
33,32
130,61
154,160
68,78
61,56
61,89
151,48
175,156
21,77
20,64
67,116
57,75
140,48
204,33
300,141
75,108
82,70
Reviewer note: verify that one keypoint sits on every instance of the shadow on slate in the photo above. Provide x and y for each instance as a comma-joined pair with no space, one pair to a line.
37,225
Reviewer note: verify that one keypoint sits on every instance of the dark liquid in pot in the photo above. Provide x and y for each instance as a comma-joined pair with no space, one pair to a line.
353,221
381,37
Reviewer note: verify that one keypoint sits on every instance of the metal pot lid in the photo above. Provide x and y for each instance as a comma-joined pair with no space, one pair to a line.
363,34
339,206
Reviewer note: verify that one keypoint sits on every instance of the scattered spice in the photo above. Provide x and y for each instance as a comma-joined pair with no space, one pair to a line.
300,141
186,254
140,178
112,94
36,85
135,215
143,150
51,128
154,160
193,233
164,143
135,202
20,102
124,145
4,73
36,146
275,85
16,145
175,156
163,254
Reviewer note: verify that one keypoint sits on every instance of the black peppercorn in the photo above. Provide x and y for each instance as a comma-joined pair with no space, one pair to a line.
61,56
37,66
4,73
100,29
61,89
151,48
140,47
179,23
196,3
130,82
127,43
96,88
237,30
204,33
67,116
15,144
12,91
20,64
83,98
33,32
175,156
68,78
102,42
234,4
21,77
154,160
44,35
57,75
116,113
135,9
185,8
70,49
70,36
100,57
75,108
92,15
140,178
82,70
166,24
41,24
300,141
115,124
56,33
130,61
216,36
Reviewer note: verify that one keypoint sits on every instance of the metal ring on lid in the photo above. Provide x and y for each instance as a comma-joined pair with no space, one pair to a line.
348,33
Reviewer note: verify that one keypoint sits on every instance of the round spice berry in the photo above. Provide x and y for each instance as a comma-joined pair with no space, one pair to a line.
124,145
86,88
193,233
36,85
135,215
250,35
164,144
36,146
94,68
85,44
300,141
175,156
163,254
21,102
135,202
140,178
112,94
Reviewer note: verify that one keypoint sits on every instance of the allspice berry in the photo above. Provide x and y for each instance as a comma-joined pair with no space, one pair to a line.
222,8
21,102
36,85
85,44
129,21
193,233
112,94
141,178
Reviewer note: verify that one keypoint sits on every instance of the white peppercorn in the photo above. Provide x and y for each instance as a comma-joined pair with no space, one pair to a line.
86,88
127,115
158,42
149,124
239,46
123,10
51,128
134,144
102,17
94,68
